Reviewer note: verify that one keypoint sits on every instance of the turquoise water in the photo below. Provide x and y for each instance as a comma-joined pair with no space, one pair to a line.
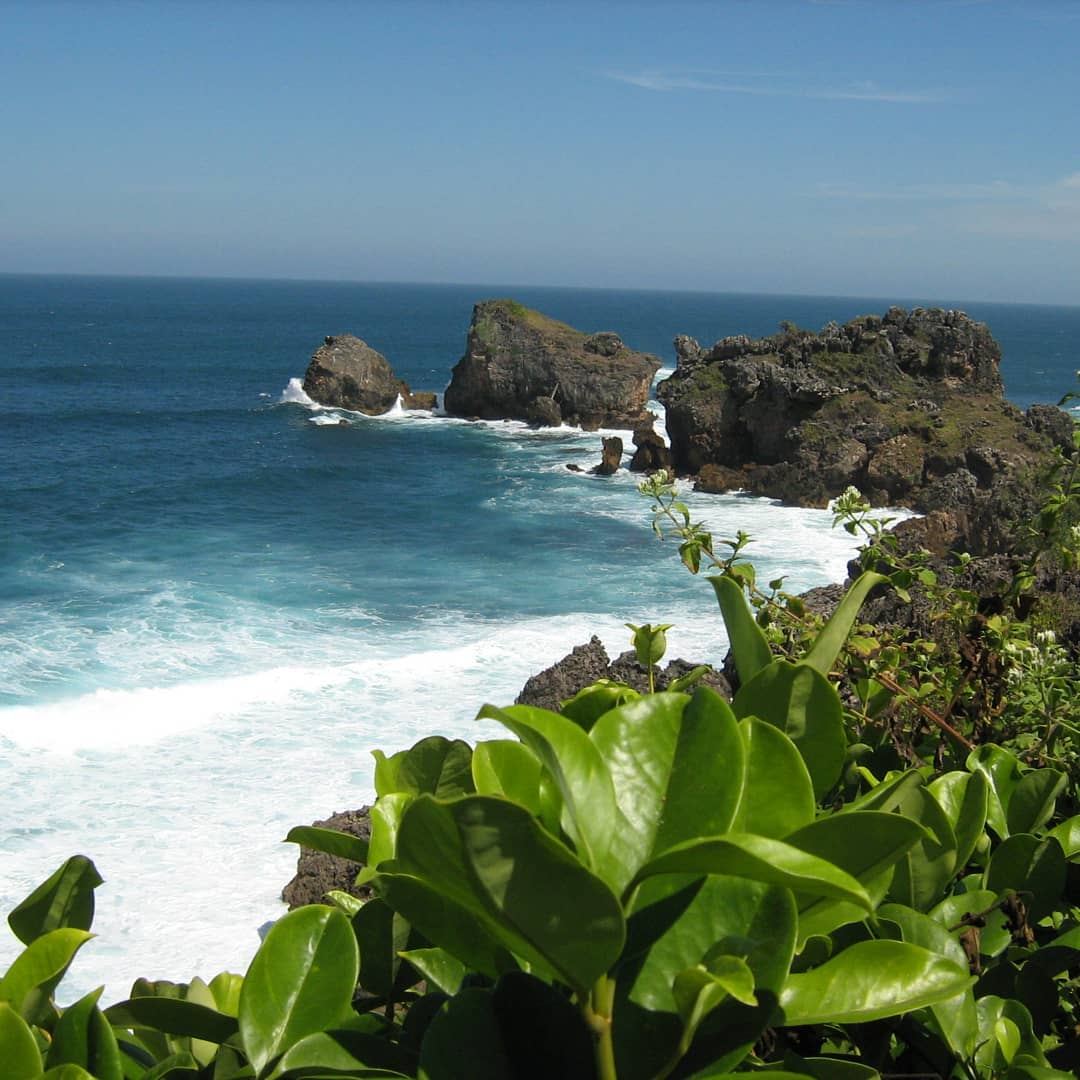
215,603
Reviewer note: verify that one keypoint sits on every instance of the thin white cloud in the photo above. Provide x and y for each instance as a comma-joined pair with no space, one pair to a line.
662,81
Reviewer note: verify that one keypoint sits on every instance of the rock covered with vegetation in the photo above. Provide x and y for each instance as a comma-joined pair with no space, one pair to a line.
896,405
522,365
347,373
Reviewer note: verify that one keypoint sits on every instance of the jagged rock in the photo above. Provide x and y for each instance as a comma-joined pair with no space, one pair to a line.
651,452
347,373
579,668
544,411
889,404
1052,422
515,358
611,457
587,663
318,873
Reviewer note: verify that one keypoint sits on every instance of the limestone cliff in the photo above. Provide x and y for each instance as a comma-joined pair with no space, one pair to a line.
891,404
522,365
347,373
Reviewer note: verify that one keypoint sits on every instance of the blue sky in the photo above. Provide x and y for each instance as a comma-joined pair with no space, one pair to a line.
877,147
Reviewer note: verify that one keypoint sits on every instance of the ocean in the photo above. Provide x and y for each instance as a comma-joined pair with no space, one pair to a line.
214,602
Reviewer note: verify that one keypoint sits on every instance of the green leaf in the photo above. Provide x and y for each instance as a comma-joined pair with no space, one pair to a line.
1005,1031
925,870
676,765
173,1016
180,1066
67,1072
40,964
964,797
508,768
1033,867
685,683
1002,770
492,859
701,989
830,639
802,703
463,1041
591,702
343,1053
380,935
956,1016
440,968
386,771
748,644
18,1047
866,845
301,981
1067,835
759,858
82,1036
330,841
871,980
436,766
1032,803
676,924
385,817
778,796
588,814
65,899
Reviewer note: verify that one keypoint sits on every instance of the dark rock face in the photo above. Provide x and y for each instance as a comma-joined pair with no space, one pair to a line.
347,373
317,873
417,399
651,452
589,662
611,457
521,365
890,404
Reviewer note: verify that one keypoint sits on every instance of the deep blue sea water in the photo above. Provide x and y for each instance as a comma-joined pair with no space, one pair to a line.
214,603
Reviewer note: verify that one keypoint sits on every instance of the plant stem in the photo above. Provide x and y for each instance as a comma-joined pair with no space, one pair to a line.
597,1010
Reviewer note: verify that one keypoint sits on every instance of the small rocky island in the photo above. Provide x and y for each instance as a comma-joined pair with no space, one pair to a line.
522,365
347,373
908,407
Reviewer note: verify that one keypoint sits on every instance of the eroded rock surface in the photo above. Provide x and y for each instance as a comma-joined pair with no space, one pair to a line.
318,873
347,373
892,405
522,365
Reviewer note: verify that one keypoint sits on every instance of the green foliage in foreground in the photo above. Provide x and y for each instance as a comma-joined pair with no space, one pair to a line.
642,886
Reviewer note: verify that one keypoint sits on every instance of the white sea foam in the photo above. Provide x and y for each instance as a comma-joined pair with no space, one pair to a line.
295,394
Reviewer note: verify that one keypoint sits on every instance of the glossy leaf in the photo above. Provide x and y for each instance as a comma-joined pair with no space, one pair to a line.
385,817
226,990
591,702
67,1072
1002,770
83,1037
964,797
1004,1031
174,1017
331,841
1026,864
18,1047
436,766
1032,803
677,767
778,796
831,637
759,858
588,813
64,899
508,768
950,913
301,981
1067,835
380,936
342,1053
867,845
956,1016
748,644
463,1041
495,861
42,961
675,925
802,703
440,968
181,1066
925,870
871,980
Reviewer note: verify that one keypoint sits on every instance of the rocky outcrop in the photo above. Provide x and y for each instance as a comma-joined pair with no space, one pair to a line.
589,662
347,373
522,365
892,405
318,873
611,457
650,451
